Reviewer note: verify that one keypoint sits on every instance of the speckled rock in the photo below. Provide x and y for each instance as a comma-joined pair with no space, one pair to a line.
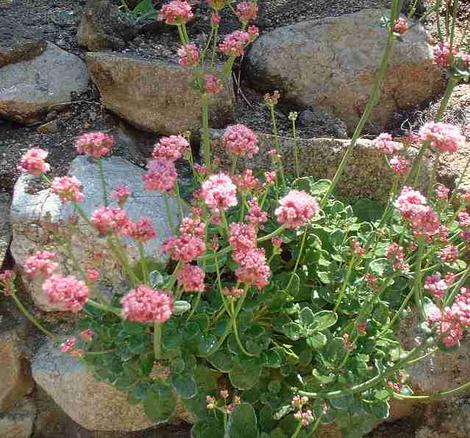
92,404
5,229
29,89
331,63
367,174
20,49
18,423
34,214
155,95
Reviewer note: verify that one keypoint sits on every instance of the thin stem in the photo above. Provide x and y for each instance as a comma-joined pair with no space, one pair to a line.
179,200
418,276
99,161
345,282
297,430
143,262
436,395
435,166
302,244
277,144
206,145
296,148
315,426
30,317
214,46
169,213
116,311
157,340
235,332
398,312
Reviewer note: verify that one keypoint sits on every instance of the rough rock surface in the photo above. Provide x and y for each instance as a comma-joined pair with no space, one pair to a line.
367,174
29,89
18,423
103,27
5,229
33,214
92,404
20,49
154,95
331,63
15,378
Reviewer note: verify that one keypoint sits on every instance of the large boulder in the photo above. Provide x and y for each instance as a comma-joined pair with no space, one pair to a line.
156,96
36,213
90,403
18,423
31,88
5,229
20,49
366,176
331,63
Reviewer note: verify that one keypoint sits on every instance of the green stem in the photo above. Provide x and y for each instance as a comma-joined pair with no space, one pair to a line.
179,200
169,213
277,144
214,46
451,297
297,431
315,426
235,332
143,262
157,340
116,311
296,149
206,145
99,161
345,282
398,312
30,317
417,280
302,244
436,395
121,255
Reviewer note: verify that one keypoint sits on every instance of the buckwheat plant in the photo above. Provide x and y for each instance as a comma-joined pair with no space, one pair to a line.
279,306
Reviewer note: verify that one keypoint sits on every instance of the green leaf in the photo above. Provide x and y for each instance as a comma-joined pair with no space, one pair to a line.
159,403
185,385
378,266
271,359
325,319
210,427
292,330
244,423
321,378
245,374
316,341
367,210
342,403
306,316
221,360
180,307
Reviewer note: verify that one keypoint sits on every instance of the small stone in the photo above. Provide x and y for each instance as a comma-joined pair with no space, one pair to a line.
48,128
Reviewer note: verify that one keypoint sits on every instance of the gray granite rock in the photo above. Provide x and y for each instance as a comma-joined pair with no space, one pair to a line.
331,63
156,96
20,49
33,214
5,229
29,89
18,423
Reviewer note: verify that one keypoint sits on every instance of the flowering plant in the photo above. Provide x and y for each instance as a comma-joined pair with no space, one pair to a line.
278,307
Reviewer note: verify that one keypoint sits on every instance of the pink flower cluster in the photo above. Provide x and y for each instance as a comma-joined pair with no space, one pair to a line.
464,219
141,231
442,136
240,140
400,26
120,194
234,43
219,192
449,254
146,305
451,322
161,176
7,279
212,84
385,143
253,268
188,55
176,12
242,238
110,220
443,54
399,165
436,285
94,144
442,192
68,292
41,264
68,188
396,255
69,347
256,216
171,148
191,278
246,182
247,11
184,248
296,209
34,162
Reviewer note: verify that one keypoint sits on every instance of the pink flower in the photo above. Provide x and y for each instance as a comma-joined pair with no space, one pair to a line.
449,254
192,227
189,55
357,248
7,279
68,188
234,43
219,192
409,201
42,263
145,305
396,255
176,12
184,248
425,222
215,19
170,148
120,194
442,192
141,231
399,165
253,31
212,84
233,294
242,237
86,335
305,417
240,140
246,182
443,55
92,274
464,219
94,144
68,292
436,285
110,220
161,176
296,209
270,177
33,162
442,136
256,216
69,347
191,278
253,270
385,143
246,11
400,26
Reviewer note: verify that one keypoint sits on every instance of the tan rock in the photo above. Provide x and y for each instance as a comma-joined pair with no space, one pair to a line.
154,95
18,423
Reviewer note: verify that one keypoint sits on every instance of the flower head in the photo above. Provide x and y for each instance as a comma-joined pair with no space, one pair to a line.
449,254
400,26
436,285
110,219
442,136
256,216
144,304
176,12
33,162
94,144
246,11
120,194
385,143
42,263
67,292
68,188
242,237
141,231
219,192
296,209
253,268
443,54
170,148
191,278
240,140
7,279
161,176
188,55
86,335
234,43
185,248
442,192
212,84
399,165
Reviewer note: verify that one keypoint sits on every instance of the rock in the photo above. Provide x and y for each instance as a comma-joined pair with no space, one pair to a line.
34,214
156,95
15,378
331,63
104,27
5,229
19,423
20,49
92,404
29,89
366,176
49,127
318,118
